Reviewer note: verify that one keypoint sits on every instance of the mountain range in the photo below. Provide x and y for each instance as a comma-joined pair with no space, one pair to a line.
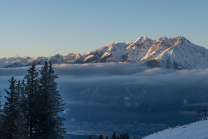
173,53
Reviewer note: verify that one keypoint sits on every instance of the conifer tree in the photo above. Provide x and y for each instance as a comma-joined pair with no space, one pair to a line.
57,105
121,136
0,111
32,107
21,122
100,137
114,135
10,113
127,136
30,91
52,103
24,104
124,136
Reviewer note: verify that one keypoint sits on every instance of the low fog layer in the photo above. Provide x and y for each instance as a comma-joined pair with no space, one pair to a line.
86,82
124,73
116,73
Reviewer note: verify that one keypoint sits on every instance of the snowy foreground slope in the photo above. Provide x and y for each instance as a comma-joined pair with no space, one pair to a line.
173,53
197,130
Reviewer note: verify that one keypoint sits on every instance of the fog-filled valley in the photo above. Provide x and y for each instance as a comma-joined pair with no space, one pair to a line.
105,97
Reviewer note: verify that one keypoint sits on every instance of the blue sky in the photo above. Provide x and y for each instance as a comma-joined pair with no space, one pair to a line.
47,27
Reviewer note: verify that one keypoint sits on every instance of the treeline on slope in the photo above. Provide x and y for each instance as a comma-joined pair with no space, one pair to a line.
122,136
32,106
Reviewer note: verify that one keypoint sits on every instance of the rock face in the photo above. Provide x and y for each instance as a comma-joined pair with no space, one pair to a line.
176,53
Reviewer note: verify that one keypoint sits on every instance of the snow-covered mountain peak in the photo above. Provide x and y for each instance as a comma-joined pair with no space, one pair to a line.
70,58
181,53
14,57
54,58
142,40
26,57
178,40
176,52
58,56
163,38
111,44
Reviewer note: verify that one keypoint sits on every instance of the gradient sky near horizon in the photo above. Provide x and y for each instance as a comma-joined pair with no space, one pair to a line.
47,27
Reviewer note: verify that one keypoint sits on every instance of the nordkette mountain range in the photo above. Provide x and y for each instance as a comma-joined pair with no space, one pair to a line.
171,53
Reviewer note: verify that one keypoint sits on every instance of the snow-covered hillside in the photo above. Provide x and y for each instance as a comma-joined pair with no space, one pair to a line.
197,130
177,53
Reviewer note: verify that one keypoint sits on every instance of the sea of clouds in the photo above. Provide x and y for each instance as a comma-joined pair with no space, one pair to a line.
114,73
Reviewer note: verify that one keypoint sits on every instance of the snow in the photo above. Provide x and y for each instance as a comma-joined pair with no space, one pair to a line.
186,54
16,61
70,58
139,49
196,130
7,61
175,52
88,57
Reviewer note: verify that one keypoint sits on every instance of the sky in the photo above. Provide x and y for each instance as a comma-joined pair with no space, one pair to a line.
48,27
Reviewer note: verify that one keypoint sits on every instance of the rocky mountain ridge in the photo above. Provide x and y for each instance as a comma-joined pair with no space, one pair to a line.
176,53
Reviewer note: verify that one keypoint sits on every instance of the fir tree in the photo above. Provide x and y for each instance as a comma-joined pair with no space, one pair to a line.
50,123
114,135
10,113
57,105
100,137
32,108
127,136
0,113
30,92
24,100
121,136
124,136
21,122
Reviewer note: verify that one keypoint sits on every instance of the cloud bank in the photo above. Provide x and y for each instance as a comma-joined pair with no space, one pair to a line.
116,73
